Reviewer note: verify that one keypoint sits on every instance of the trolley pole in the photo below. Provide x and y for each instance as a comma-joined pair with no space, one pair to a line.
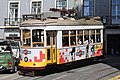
75,7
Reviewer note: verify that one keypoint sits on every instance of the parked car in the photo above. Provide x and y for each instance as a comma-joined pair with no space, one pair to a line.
9,56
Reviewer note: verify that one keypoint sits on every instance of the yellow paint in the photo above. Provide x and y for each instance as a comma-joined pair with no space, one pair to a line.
115,78
58,56
45,50
98,46
32,64
48,61
52,55
53,52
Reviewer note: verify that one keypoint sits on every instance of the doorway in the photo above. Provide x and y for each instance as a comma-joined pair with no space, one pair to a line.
113,44
51,50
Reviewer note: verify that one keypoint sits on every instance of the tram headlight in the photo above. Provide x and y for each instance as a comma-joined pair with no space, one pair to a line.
26,59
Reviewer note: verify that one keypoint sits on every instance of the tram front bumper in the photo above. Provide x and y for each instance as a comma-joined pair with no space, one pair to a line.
32,65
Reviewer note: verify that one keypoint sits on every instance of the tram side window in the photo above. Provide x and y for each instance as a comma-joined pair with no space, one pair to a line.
98,36
80,37
73,37
26,38
65,38
86,37
38,38
92,36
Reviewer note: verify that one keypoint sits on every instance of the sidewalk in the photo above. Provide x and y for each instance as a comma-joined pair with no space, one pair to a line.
112,59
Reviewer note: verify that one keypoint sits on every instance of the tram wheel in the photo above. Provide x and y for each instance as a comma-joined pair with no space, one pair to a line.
32,74
20,72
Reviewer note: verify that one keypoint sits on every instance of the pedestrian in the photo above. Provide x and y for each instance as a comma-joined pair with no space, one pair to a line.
73,52
112,51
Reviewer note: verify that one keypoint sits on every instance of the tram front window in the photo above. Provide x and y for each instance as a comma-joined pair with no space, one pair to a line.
38,38
26,38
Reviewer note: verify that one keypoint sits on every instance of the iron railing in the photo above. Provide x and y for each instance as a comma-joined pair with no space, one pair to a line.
12,21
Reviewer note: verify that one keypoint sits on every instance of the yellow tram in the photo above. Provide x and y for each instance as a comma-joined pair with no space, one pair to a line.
59,41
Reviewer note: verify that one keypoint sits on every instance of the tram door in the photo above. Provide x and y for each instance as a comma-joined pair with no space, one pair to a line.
51,50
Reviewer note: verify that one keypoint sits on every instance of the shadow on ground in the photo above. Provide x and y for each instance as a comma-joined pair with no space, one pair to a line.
113,61
65,67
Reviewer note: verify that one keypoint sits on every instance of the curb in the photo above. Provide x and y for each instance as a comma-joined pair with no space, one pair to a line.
115,78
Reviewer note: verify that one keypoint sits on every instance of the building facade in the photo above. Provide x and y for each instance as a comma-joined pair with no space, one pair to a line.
16,8
112,26
109,10
12,11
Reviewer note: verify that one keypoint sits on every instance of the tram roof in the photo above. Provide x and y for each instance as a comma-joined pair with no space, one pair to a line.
63,21
33,23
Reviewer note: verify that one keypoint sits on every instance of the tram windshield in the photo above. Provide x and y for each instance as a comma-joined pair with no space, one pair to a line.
34,38
38,38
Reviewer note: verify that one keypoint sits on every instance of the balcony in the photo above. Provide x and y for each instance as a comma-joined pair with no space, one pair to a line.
12,21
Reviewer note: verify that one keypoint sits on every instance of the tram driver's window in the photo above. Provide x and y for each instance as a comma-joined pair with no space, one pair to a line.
26,38
38,38
65,38
98,36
